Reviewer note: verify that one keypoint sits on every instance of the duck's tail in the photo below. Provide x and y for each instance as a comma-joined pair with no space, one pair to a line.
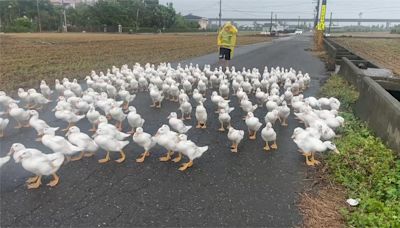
122,135
200,151
56,159
123,144
186,129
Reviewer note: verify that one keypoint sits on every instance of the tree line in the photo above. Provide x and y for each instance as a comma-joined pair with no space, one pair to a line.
103,15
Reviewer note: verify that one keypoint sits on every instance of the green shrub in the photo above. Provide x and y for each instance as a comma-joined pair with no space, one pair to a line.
21,24
395,29
366,167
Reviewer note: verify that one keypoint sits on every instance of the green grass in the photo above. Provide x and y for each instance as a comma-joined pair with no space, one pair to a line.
367,168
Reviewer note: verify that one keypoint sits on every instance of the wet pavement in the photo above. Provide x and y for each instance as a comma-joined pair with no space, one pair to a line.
250,188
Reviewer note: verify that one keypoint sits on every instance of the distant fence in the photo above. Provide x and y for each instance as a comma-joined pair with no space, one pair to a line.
115,29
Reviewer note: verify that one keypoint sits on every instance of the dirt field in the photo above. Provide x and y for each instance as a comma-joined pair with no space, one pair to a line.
365,34
28,58
385,52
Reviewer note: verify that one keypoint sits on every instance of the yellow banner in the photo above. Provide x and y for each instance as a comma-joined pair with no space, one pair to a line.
321,24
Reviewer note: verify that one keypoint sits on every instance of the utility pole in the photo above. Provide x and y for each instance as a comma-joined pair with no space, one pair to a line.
298,22
330,23
38,15
321,27
137,17
270,26
317,14
220,13
65,17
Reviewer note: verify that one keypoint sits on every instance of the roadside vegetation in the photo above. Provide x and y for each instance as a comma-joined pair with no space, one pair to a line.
366,168
133,16
395,29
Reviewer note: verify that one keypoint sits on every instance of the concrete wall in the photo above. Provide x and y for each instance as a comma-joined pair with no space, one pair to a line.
331,52
380,110
375,105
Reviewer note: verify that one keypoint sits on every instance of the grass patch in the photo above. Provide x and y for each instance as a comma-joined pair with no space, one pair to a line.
366,167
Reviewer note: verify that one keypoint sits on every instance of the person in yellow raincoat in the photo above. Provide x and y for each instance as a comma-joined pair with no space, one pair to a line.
226,42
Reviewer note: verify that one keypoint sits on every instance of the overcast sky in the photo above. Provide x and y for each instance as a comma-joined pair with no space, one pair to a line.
288,8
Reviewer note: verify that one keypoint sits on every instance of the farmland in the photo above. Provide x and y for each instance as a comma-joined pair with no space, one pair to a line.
28,58
385,52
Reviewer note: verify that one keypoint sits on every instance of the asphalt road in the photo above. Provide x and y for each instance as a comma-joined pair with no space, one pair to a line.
250,188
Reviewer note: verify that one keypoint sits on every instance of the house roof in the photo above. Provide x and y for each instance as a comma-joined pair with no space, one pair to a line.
192,17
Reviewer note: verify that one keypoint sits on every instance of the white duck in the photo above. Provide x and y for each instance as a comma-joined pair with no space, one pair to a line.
126,97
224,118
197,96
38,124
144,140
224,89
215,98
288,95
156,96
105,139
253,124
6,100
82,140
283,112
20,115
202,87
167,139
271,105
134,119
235,136
45,89
68,116
335,122
4,160
93,116
310,145
59,144
38,99
189,149
201,115
110,129
268,134
246,105
82,106
117,114
25,97
271,116
177,124
300,133
261,96
38,163
186,109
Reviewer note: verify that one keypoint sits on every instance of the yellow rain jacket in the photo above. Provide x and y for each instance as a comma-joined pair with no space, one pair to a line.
227,39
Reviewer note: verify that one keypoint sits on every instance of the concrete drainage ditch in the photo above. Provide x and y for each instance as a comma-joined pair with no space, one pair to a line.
379,101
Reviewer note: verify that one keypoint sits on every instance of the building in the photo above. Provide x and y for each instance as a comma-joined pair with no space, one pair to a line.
72,3
202,21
